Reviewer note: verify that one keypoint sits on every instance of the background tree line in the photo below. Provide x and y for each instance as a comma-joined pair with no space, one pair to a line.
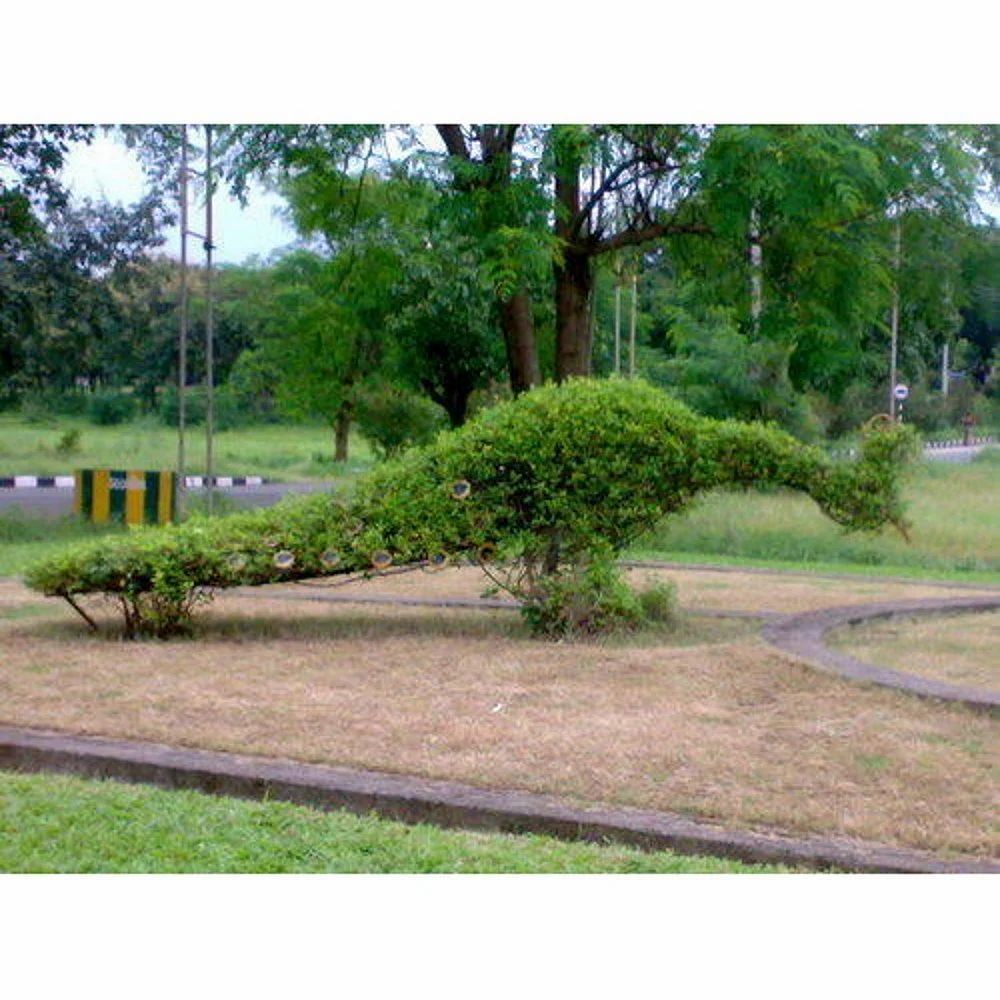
445,265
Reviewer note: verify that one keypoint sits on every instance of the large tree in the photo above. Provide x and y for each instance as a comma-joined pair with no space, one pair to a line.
789,200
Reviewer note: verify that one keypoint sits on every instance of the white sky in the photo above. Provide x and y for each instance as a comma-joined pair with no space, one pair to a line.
106,168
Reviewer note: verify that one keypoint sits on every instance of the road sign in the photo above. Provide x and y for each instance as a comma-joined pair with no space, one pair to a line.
901,391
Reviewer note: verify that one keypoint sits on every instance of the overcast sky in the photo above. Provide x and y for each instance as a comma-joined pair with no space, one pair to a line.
106,168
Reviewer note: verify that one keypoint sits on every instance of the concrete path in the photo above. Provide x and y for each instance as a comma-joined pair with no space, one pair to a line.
805,636
448,803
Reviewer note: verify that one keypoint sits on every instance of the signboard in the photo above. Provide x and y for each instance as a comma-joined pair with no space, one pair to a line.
900,391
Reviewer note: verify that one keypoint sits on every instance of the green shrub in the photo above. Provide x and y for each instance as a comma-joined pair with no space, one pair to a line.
69,442
543,491
583,600
658,601
226,406
106,409
41,406
393,419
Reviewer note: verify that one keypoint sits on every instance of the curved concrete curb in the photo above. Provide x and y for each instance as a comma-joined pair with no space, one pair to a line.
444,803
475,603
804,635
916,581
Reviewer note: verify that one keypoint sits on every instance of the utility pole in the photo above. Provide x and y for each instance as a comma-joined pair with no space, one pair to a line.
756,271
631,334
209,328
944,370
618,320
182,347
894,319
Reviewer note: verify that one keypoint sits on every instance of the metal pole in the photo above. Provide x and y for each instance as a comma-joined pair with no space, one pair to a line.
894,319
944,369
182,348
631,334
756,271
209,328
618,323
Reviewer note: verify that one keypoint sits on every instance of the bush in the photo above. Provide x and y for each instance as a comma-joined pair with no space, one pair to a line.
42,405
69,442
393,419
106,409
658,601
227,408
544,491
583,600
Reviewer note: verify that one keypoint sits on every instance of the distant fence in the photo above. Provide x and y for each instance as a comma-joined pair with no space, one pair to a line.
959,442
840,453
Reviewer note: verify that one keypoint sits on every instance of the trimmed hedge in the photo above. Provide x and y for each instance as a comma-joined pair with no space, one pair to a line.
561,477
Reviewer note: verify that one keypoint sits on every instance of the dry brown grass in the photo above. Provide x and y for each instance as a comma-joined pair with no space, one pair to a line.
697,589
720,725
962,649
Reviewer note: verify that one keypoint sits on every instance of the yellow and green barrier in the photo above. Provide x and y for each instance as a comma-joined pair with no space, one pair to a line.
133,496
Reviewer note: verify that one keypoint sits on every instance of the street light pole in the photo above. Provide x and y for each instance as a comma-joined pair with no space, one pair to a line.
209,329
182,346
631,332
894,319
618,321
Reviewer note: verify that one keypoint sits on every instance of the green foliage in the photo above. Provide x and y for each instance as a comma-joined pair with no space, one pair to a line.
228,412
40,406
537,490
583,599
658,601
106,409
69,442
393,419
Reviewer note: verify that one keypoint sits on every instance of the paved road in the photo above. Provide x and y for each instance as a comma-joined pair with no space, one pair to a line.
59,502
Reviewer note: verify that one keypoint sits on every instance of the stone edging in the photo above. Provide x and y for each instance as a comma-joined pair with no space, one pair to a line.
475,603
445,803
916,581
804,636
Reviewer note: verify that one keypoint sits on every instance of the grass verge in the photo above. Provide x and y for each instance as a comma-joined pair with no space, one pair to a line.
52,823
956,529
299,451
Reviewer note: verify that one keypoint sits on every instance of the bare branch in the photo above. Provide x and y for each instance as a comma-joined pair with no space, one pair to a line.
653,231
454,141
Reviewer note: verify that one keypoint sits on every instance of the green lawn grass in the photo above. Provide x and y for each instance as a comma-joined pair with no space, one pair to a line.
295,452
954,509
53,823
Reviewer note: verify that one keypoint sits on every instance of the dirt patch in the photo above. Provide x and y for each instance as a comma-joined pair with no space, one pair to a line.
14,594
721,727
960,649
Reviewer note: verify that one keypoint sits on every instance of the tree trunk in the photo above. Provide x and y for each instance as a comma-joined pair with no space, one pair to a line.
573,272
341,431
574,282
452,395
519,337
